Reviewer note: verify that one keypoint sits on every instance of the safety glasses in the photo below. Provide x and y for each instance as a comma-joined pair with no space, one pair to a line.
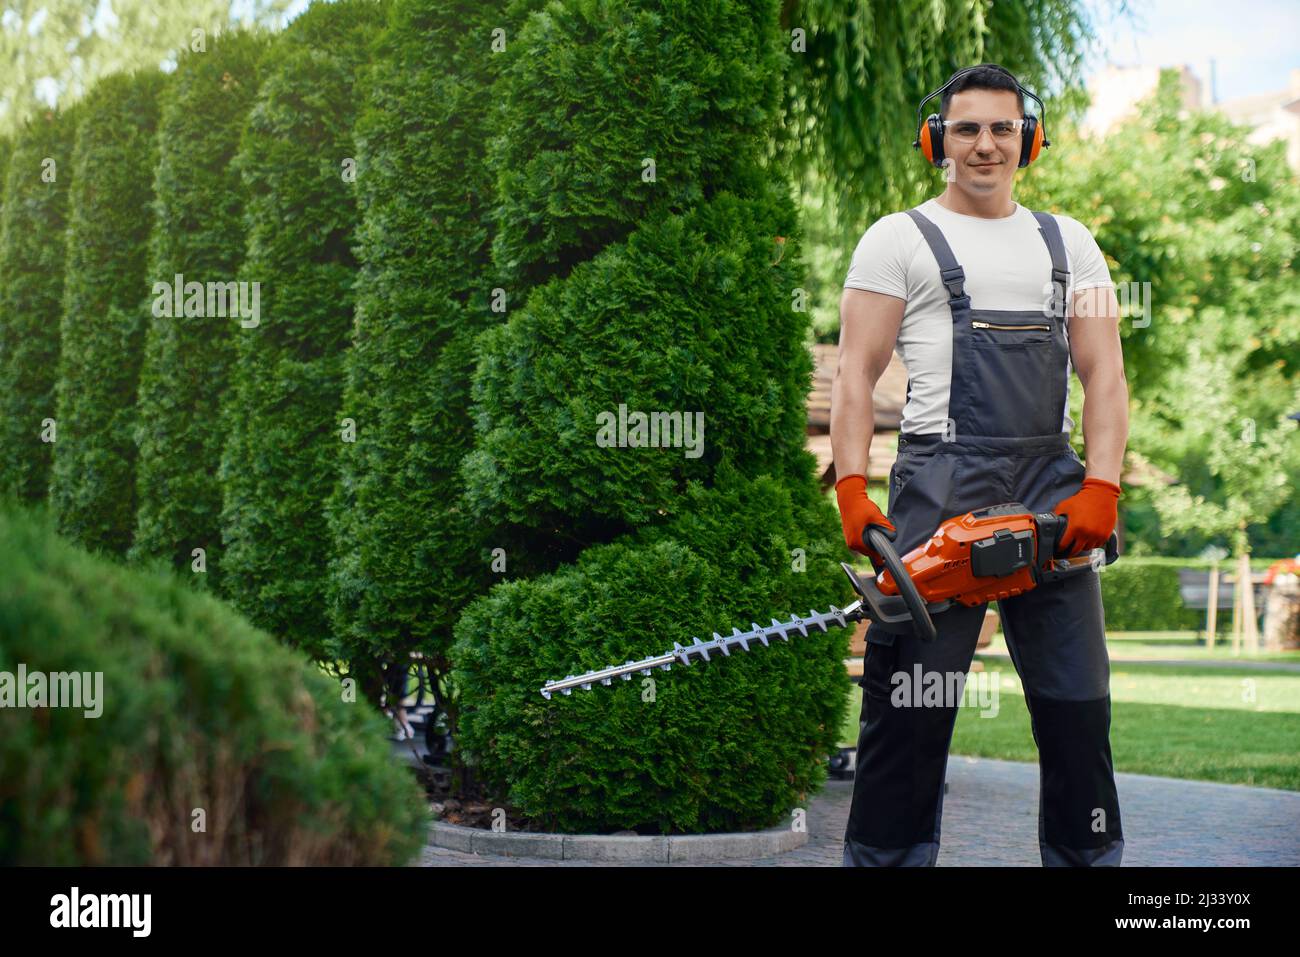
968,131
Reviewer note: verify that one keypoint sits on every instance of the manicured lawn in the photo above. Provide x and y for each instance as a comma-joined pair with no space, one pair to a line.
1183,645
1228,724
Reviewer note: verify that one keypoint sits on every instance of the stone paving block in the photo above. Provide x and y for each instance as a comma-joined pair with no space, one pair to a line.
629,850
990,818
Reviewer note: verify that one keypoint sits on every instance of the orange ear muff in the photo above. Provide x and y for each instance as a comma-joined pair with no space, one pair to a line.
1038,142
927,150
1031,140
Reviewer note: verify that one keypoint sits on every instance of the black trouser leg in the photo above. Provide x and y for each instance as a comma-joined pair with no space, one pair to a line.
1056,636
904,738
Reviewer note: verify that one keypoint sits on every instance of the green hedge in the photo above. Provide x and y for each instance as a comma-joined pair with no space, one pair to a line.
726,745
198,233
198,710
32,252
92,490
283,433
595,89
1141,594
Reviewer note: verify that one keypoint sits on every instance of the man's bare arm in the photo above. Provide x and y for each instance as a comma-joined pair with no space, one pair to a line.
1098,357
869,324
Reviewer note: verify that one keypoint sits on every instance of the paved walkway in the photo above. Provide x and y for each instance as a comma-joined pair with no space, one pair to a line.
990,817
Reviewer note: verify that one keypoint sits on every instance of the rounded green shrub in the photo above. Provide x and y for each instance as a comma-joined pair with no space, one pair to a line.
731,744
198,233
297,161
32,252
92,491
687,318
207,742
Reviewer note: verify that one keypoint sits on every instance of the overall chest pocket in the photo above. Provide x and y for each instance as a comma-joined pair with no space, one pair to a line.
1011,375
991,329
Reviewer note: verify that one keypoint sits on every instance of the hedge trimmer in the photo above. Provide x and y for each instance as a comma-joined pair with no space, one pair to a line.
982,556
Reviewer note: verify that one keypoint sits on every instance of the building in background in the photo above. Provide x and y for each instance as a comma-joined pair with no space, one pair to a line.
1116,91
1271,116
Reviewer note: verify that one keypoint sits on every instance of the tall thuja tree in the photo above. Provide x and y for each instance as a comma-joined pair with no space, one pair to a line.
408,555
663,196
298,166
651,248
32,252
92,490
198,235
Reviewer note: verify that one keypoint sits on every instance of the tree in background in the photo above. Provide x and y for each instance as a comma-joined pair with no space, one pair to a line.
54,51
6,148
298,165
857,71
92,490
198,234
1202,229
32,251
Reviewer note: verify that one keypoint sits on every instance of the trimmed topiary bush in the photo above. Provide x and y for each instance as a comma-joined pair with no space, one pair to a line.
688,317
198,233
212,743
281,454
32,251
727,745
677,298
667,295
595,90
92,491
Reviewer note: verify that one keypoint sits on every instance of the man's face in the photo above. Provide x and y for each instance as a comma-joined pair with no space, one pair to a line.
987,164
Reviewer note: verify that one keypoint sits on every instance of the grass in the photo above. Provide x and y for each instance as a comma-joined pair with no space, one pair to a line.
1200,721
1169,645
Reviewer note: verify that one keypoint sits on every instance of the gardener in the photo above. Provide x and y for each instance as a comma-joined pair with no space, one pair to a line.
972,289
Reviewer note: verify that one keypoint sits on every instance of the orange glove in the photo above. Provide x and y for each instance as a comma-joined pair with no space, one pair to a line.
857,512
1091,515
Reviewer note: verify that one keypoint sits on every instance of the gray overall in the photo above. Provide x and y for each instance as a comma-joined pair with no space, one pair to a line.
1007,401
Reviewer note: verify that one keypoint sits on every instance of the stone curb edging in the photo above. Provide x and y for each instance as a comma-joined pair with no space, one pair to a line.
651,849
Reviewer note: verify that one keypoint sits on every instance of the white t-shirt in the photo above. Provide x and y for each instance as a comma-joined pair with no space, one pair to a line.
1007,266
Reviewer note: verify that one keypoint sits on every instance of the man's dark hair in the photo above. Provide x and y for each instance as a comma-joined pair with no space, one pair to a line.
986,76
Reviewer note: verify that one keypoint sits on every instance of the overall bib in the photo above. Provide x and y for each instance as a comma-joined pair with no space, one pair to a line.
1007,404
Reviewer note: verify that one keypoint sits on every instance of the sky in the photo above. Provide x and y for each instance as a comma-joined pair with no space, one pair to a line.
1254,43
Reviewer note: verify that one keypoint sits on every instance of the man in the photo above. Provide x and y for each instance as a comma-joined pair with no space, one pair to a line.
972,290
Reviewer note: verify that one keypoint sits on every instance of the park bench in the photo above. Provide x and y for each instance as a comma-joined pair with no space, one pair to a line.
1194,589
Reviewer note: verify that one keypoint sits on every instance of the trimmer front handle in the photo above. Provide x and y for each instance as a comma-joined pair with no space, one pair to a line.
914,613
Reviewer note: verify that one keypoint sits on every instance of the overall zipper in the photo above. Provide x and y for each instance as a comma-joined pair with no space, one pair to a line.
994,325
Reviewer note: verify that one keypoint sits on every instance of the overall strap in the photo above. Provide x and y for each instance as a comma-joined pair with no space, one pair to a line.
954,277
1051,231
